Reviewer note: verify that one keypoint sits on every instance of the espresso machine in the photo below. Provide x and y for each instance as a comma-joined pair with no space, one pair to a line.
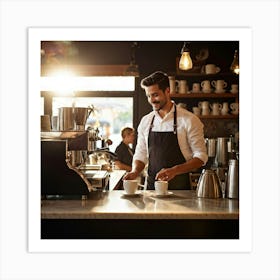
74,161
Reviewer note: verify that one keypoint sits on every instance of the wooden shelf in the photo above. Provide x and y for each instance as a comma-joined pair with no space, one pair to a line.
203,95
230,116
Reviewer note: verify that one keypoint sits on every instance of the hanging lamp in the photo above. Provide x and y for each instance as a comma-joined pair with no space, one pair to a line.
234,67
185,62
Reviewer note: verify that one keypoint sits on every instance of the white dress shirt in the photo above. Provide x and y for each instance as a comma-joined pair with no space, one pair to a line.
189,132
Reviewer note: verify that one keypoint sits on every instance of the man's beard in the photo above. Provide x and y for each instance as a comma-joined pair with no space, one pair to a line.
161,105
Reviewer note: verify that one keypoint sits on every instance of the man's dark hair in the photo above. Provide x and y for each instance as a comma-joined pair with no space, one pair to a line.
157,78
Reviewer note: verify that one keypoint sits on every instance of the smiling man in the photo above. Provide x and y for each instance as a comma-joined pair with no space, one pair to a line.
170,139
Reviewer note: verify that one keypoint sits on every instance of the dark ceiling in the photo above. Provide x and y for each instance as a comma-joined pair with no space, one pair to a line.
149,55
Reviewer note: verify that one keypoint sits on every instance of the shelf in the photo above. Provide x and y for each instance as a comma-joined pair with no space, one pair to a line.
199,74
203,95
219,117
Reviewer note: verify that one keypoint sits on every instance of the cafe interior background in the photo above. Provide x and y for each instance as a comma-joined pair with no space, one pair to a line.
100,80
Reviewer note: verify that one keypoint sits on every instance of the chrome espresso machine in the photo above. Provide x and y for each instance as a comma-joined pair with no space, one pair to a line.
74,161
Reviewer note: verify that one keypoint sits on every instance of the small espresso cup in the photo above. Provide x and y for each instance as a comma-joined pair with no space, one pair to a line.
161,187
130,186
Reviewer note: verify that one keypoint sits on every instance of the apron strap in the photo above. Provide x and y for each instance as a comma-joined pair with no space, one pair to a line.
174,121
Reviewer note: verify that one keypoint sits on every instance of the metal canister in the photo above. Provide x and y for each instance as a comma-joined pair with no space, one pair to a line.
66,118
232,188
221,159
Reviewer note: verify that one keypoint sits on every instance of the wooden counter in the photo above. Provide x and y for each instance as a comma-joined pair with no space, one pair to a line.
113,215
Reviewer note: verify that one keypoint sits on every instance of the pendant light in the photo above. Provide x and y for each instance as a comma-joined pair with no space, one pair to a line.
185,62
234,67
132,69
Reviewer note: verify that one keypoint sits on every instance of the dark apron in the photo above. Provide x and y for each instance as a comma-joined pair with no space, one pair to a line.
164,152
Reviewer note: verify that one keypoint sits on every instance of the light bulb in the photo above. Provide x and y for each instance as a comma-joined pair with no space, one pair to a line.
185,62
234,67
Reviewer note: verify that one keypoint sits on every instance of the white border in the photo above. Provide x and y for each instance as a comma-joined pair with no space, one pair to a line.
244,35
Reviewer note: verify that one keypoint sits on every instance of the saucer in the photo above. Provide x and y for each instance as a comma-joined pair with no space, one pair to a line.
132,194
220,91
163,195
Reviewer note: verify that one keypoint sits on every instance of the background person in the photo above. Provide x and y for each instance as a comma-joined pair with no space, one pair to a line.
170,138
123,150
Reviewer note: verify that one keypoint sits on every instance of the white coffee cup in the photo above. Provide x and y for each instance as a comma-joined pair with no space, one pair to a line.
161,187
212,69
196,111
130,186
234,88
196,87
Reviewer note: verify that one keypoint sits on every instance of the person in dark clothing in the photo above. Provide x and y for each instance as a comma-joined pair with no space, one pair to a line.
123,151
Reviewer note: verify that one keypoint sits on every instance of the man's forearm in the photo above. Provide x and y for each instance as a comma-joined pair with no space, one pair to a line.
137,166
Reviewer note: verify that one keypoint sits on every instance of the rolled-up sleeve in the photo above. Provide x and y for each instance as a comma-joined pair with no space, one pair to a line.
192,142
141,150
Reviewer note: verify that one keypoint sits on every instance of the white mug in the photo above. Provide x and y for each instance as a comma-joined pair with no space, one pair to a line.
225,108
196,111
130,186
212,69
172,84
216,108
161,187
234,88
182,86
196,87
206,86
205,111
219,85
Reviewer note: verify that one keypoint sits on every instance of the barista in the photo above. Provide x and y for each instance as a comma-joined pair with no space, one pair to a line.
123,151
170,139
